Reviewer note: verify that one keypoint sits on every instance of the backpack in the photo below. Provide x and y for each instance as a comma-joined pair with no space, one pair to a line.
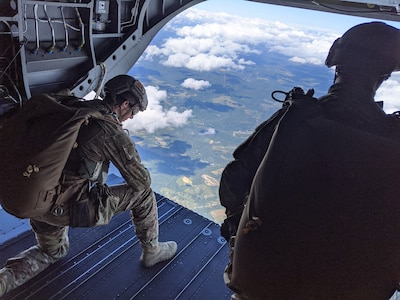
35,144
321,218
238,175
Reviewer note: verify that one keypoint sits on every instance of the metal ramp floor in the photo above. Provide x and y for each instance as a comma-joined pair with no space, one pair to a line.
103,262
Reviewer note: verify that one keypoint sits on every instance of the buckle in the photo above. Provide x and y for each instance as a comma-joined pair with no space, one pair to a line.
57,210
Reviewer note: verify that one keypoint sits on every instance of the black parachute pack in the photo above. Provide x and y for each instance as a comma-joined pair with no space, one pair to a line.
35,144
238,175
321,217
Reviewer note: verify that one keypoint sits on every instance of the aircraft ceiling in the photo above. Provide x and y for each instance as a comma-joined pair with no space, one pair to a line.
375,9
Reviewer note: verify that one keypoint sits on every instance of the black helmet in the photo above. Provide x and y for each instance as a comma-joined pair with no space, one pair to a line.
125,87
374,43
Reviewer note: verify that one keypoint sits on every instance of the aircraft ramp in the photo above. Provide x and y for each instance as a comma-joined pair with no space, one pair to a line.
103,262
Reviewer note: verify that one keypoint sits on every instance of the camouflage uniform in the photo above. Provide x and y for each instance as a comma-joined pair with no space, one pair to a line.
98,144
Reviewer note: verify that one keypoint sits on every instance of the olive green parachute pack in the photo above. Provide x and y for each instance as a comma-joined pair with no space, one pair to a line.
35,145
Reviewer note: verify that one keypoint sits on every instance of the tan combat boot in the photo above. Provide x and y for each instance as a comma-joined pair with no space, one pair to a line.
156,252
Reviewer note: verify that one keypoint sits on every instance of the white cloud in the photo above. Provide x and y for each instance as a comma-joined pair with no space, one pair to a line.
222,41
90,96
208,131
156,116
389,93
194,84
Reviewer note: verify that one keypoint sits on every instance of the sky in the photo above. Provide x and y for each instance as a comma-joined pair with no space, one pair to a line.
213,35
289,15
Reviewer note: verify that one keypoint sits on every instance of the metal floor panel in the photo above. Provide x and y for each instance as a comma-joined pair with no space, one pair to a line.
11,227
103,262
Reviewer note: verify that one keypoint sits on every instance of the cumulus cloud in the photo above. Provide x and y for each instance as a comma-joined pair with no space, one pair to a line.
222,41
156,116
194,84
208,131
389,93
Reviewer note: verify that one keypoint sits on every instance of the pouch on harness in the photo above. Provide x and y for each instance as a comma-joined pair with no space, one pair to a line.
35,145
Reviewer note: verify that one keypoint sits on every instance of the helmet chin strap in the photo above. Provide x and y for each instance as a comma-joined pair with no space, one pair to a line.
124,115
121,116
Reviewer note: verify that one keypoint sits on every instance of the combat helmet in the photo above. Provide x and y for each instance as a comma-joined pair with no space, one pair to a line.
375,45
125,87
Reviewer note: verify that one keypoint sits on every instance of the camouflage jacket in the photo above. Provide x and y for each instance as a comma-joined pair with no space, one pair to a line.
101,142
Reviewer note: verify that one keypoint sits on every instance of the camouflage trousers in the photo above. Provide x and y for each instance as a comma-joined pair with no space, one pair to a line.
111,201
51,233
50,247
143,213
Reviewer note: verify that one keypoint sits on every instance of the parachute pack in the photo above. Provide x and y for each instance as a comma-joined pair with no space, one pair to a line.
238,175
322,203
35,144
